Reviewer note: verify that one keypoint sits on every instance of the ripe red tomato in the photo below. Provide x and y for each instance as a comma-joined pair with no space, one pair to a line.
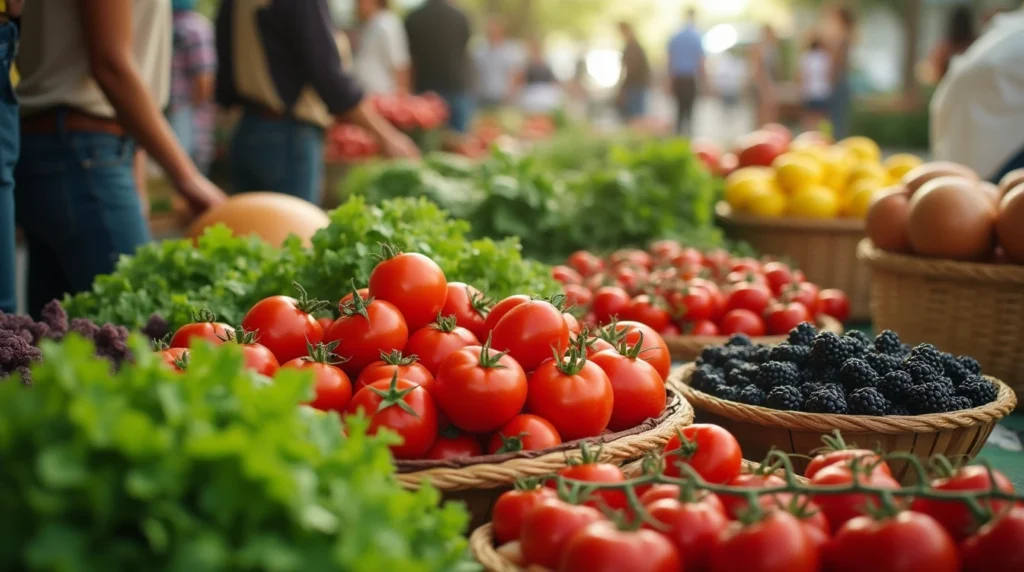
333,388
711,450
660,491
365,331
596,345
469,307
638,389
718,261
694,528
843,457
645,310
653,350
364,293
531,333
572,323
741,321
548,528
524,432
670,331
408,368
777,275
499,310
688,257
906,542
566,275
177,358
591,471
997,546
585,263
745,264
663,250
780,319
454,444
258,357
735,505
206,327
749,297
776,543
511,508
803,292
412,282
834,303
630,278
325,322
954,516
285,325
480,390
574,395
609,302
631,257
603,547
692,304
433,343
418,428
839,508
577,296
702,328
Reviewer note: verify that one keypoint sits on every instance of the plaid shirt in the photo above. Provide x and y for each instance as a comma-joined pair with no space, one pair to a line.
194,53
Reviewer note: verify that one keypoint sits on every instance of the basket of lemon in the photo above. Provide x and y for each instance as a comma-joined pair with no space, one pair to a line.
808,207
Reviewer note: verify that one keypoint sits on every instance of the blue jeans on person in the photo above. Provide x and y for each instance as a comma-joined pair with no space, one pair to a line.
77,203
1015,162
634,102
280,155
9,143
839,109
460,109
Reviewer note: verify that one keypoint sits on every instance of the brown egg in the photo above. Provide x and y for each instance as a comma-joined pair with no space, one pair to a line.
921,174
949,218
991,192
1011,180
1010,224
887,219
271,216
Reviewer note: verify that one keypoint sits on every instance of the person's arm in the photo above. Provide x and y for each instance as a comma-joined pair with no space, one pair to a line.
107,29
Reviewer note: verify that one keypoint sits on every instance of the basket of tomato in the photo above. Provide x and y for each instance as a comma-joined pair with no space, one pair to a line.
696,299
879,392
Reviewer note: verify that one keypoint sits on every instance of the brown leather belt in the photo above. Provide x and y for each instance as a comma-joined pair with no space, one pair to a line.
73,120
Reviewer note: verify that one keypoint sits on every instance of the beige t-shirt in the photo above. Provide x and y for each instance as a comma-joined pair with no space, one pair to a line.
54,65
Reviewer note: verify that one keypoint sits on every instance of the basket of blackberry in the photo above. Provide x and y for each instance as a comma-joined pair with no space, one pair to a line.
879,392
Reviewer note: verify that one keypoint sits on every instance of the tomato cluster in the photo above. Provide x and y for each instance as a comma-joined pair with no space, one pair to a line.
679,290
411,112
681,525
448,370
347,142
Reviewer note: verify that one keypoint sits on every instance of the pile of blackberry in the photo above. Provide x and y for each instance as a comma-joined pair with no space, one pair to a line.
850,374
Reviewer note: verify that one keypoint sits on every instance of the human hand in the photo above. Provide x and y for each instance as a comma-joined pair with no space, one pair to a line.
398,145
200,193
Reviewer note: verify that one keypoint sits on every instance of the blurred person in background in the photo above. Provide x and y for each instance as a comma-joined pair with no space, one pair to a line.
686,71
279,62
538,88
729,74
94,79
10,11
961,31
767,72
439,35
382,57
841,100
814,76
635,79
496,66
191,110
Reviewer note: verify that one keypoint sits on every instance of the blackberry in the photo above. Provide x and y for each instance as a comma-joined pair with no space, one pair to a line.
897,409
867,401
978,390
752,395
739,340
776,373
802,335
918,370
888,343
806,389
727,392
928,354
896,385
882,363
829,350
928,397
826,400
707,382
953,369
760,354
738,379
959,403
732,364
712,355
789,353
856,373
785,397
862,339
943,381
970,364
821,375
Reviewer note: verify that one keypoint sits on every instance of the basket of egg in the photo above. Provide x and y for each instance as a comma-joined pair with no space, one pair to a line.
808,207
946,255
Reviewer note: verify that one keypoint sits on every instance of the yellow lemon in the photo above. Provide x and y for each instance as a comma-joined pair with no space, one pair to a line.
859,198
837,163
742,182
900,164
767,202
869,171
863,148
796,170
814,202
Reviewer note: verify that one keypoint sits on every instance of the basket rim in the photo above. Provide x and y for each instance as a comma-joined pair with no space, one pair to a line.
486,475
839,225
825,323
1004,404
879,259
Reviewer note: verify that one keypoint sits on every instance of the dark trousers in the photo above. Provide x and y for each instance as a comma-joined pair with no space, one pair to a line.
280,155
684,88
9,143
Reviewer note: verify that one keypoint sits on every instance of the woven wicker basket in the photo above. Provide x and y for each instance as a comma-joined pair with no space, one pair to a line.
687,348
478,481
825,250
961,307
960,434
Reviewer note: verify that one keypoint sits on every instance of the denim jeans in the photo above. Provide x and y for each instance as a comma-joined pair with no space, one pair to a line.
9,142
79,208
280,155
1015,162
192,127
839,112
460,109
634,102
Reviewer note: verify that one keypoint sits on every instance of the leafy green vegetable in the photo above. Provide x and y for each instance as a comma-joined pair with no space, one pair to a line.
208,470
